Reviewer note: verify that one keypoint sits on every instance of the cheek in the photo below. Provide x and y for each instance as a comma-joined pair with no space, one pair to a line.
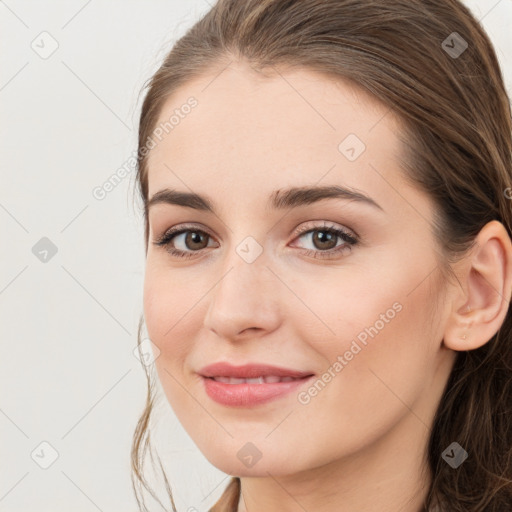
380,356
167,313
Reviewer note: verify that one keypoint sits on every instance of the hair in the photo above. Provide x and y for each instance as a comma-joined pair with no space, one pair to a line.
457,134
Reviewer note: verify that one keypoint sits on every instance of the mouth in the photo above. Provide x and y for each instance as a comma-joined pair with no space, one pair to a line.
250,385
243,393
252,371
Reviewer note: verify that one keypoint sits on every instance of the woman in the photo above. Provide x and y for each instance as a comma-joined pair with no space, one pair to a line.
328,254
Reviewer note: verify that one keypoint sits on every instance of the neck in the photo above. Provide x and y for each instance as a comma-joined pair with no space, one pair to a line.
389,475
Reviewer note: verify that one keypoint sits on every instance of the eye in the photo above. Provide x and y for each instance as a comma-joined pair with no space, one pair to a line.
189,237
323,237
325,240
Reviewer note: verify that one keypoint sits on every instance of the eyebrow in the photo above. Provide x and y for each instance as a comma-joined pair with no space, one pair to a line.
279,199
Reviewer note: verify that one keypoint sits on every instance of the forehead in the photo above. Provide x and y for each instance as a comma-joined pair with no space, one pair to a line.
250,134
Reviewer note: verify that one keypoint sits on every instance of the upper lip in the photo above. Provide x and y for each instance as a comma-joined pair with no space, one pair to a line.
249,371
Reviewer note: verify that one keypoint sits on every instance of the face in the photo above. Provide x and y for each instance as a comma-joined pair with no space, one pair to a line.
334,287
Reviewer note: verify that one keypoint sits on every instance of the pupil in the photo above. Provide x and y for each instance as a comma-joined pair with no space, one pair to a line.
194,238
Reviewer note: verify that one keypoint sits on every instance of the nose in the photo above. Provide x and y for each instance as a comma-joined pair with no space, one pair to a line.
244,300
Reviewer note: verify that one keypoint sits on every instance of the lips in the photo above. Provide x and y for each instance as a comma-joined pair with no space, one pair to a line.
251,373
251,384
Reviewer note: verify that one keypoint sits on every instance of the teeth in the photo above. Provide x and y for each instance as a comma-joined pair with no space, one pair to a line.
258,380
270,379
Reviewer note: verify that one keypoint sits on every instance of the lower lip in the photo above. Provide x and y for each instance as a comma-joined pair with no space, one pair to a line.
246,395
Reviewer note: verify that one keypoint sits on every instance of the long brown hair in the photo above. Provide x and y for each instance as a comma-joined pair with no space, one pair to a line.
432,64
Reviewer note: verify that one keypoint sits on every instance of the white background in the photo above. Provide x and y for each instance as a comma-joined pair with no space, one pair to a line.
68,325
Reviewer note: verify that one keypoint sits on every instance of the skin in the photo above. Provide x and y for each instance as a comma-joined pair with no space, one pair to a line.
360,442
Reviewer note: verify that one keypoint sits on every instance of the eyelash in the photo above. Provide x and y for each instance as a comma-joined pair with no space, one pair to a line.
349,239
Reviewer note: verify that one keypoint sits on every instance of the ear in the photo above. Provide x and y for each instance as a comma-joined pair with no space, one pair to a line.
480,304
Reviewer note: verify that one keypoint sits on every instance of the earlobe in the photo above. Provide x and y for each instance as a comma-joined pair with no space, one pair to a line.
480,305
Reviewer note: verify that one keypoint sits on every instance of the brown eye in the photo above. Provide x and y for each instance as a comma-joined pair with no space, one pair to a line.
324,239
195,240
184,242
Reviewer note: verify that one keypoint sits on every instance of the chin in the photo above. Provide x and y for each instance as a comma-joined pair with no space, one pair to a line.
257,467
